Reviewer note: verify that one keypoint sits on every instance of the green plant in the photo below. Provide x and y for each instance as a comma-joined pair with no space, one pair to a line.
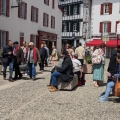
89,59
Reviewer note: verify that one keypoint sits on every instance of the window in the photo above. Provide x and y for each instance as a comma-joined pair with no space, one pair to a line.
4,37
33,39
75,27
5,7
45,19
105,27
46,2
65,11
106,8
34,14
75,10
53,4
52,22
65,27
22,11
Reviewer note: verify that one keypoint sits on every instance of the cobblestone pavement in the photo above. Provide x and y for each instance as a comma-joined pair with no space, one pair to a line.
30,100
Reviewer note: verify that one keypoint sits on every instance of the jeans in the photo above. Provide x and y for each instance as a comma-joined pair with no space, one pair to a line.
42,64
54,77
32,70
110,85
10,68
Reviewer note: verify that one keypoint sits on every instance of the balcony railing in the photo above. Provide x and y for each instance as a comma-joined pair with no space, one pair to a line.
73,18
69,2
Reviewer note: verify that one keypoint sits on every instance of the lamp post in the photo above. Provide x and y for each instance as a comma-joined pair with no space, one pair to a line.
18,2
105,39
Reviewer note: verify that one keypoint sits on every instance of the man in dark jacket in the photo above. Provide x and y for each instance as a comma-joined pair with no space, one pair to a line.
18,59
65,72
7,59
43,55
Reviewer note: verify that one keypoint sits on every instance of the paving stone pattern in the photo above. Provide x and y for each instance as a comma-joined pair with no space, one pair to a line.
31,100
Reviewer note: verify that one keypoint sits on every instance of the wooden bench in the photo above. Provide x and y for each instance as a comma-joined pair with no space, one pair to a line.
68,85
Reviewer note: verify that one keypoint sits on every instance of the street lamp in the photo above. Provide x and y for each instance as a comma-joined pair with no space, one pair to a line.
18,2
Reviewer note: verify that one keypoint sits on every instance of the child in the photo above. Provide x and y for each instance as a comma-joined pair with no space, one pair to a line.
111,83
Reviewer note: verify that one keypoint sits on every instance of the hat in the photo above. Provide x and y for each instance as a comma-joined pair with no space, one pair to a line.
65,52
31,43
16,42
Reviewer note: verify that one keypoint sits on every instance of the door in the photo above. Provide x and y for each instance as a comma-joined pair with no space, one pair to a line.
21,41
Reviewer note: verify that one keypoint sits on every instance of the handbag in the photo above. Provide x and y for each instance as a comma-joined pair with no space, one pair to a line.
117,88
23,67
96,60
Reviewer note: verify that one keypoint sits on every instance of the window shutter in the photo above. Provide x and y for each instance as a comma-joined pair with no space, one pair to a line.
62,28
7,37
32,10
54,22
109,26
110,8
102,9
101,27
51,21
19,11
78,9
43,19
7,8
67,10
71,27
78,27
45,1
53,3
48,2
37,15
0,7
116,26
0,39
25,15
47,20
31,38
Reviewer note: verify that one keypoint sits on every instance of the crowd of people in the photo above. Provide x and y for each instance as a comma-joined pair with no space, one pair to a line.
14,55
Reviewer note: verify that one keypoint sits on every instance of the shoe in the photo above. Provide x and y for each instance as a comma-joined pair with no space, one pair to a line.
33,78
104,99
26,74
11,80
53,89
4,78
20,76
101,97
15,78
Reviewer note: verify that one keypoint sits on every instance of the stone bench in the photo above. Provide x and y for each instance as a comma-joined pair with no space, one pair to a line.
68,85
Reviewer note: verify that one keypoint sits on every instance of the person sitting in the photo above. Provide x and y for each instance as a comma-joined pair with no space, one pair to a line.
77,66
111,83
65,72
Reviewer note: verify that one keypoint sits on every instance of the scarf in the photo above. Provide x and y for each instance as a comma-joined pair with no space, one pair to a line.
15,50
34,53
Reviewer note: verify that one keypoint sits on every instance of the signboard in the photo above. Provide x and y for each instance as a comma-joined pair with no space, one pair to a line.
118,29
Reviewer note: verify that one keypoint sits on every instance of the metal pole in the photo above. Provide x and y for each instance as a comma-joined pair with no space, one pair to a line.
117,41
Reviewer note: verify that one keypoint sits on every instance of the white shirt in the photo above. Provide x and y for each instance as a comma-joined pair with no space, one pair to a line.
76,65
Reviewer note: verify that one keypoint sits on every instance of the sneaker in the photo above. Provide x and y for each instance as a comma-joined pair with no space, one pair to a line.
101,97
53,89
26,74
33,78
104,99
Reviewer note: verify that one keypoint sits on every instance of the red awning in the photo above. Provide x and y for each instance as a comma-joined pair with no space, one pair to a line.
112,43
95,42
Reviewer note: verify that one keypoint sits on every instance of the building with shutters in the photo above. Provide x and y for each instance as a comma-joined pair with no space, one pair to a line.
39,21
104,19
76,19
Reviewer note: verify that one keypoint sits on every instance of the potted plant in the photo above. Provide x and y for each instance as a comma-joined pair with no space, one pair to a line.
0,61
87,68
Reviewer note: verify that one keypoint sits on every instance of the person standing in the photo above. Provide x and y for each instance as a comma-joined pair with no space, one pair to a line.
18,59
47,60
54,56
81,53
7,59
43,56
98,69
32,58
